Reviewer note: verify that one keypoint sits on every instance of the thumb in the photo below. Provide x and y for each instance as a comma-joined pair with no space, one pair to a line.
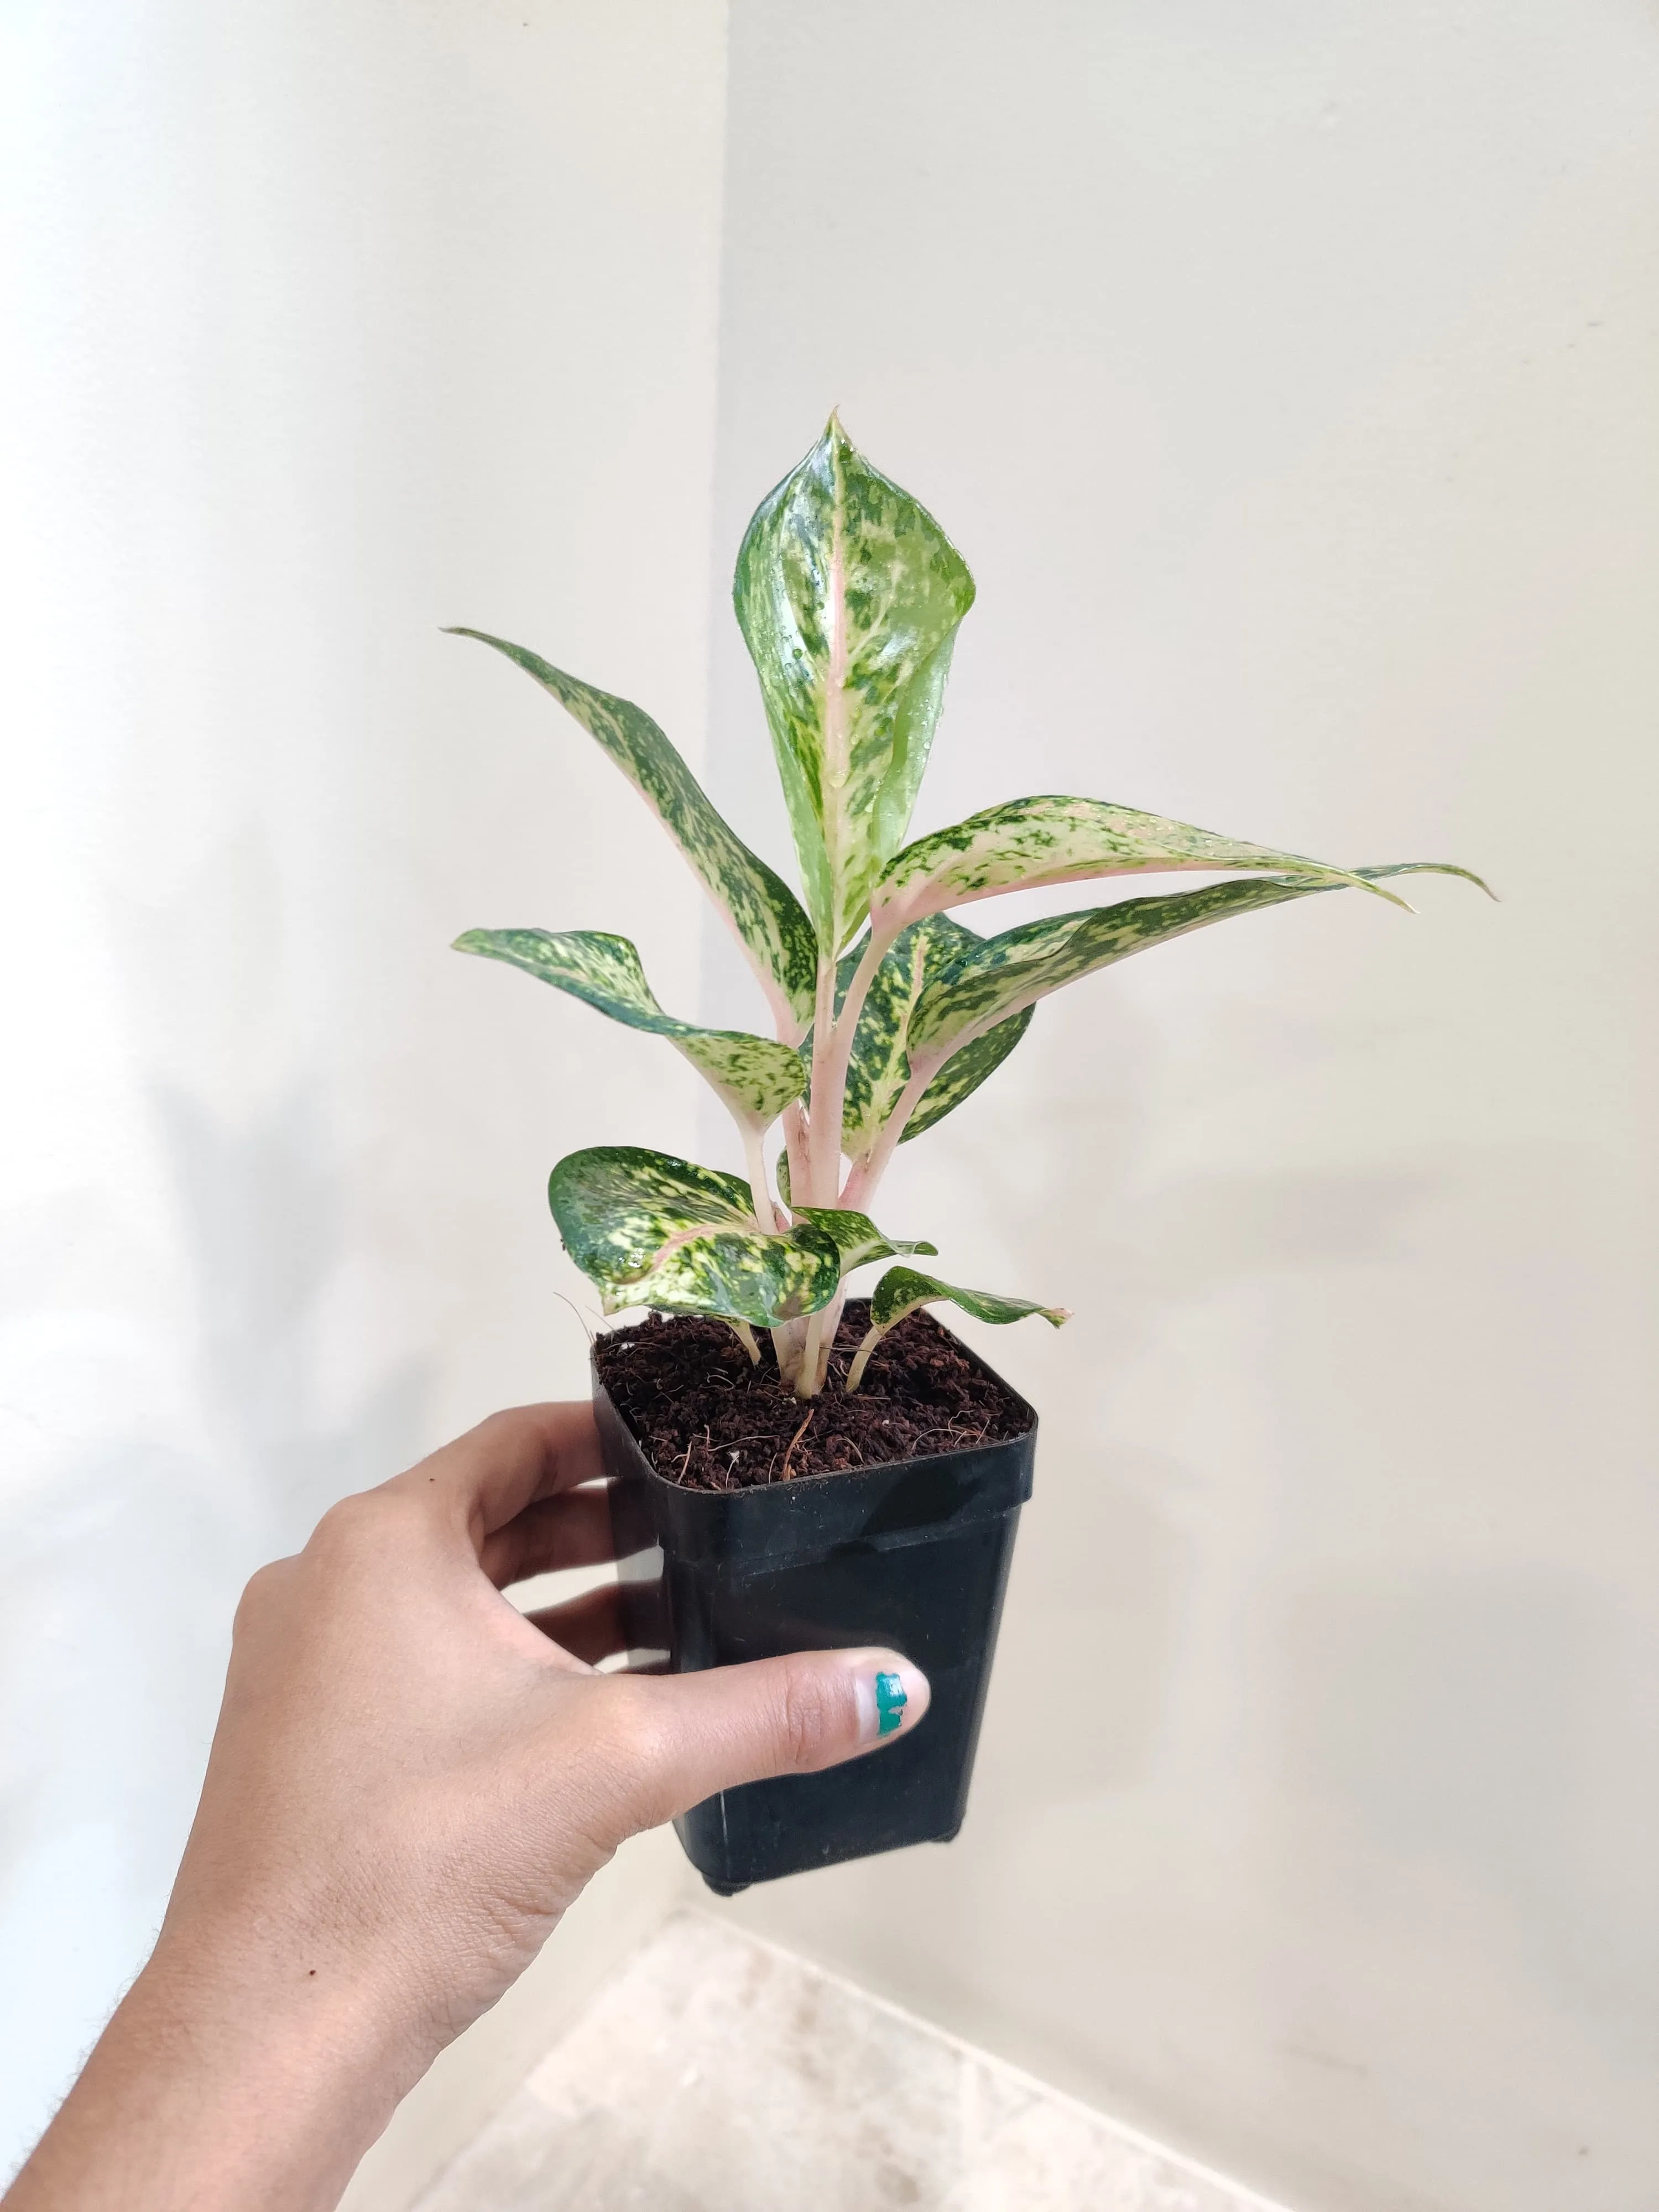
702,1733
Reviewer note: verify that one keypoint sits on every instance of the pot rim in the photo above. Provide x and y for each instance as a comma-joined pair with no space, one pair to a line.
797,1485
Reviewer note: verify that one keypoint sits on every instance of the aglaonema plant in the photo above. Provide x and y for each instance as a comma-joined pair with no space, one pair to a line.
888,1011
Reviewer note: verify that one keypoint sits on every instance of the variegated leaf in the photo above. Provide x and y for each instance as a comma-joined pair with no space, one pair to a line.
963,1073
1032,841
759,906
755,1076
1006,973
848,594
856,1236
879,1066
901,1289
650,1230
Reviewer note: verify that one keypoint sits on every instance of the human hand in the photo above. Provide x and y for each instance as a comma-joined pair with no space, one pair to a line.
410,1783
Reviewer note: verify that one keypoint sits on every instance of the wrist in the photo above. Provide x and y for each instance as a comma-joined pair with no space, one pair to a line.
223,2087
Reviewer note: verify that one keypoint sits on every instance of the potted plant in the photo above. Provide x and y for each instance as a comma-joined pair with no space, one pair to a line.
816,1471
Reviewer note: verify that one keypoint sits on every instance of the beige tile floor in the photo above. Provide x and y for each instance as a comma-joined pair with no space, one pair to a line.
717,2074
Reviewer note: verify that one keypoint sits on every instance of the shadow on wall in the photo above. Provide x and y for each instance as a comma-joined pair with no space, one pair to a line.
166,1447
1084,1214
1091,1724
1136,1251
265,1213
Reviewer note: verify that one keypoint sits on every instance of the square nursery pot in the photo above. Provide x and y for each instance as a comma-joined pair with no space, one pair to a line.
914,1555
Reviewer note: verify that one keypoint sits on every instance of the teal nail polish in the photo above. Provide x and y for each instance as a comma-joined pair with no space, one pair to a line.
890,1702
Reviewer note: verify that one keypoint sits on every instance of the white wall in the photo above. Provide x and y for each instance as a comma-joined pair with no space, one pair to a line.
1287,375
326,326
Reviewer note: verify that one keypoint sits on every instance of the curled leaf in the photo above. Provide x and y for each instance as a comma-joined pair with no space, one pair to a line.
901,1289
652,1229
856,1236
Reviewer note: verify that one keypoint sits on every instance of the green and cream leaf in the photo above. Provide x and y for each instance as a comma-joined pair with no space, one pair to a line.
1005,974
848,595
879,1065
758,905
652,1229
901,1289
1030,842
755,1076
964,1071
856,1237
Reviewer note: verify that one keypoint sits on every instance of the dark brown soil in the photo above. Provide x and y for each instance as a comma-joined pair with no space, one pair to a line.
707,1419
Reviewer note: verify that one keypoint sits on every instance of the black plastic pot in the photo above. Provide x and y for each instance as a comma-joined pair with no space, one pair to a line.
913,1556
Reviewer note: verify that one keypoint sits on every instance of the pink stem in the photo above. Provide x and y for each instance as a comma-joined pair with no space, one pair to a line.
820,1342
829,1068
861,1184
797,1138
823,1135
754,1161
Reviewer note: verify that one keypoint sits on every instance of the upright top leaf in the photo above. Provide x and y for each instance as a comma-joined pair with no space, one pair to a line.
848,595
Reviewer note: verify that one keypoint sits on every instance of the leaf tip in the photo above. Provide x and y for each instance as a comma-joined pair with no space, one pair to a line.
1363,883
1446,868
1369,876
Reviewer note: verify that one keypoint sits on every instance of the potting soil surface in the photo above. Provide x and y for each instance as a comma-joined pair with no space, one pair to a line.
706,1417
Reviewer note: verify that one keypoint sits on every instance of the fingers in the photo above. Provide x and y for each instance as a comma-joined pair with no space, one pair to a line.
589,1627
508,1461
698,1733
572,1530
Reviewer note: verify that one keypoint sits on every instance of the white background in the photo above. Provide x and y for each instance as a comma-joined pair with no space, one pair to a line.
1286,375
328,325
